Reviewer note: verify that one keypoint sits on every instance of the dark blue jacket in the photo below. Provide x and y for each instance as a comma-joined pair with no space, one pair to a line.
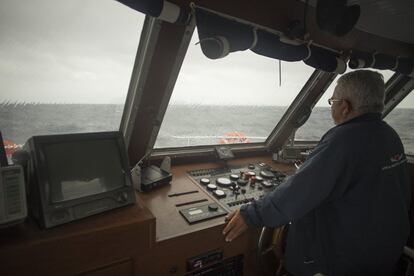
347,205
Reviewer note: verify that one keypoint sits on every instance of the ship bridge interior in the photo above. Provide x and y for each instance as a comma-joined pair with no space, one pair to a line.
210,91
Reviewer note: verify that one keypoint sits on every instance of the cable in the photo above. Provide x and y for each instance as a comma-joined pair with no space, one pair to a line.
280,73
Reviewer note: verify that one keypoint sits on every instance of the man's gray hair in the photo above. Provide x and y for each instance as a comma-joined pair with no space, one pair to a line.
364,89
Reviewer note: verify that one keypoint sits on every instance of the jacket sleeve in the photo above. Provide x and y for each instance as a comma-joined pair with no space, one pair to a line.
302,192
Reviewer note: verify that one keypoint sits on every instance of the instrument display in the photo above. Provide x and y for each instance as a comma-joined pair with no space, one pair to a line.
234,186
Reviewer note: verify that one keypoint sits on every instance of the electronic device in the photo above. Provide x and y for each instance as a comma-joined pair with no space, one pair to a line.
232,266
237,185
293,153
224,153
72,176
204,259
13,208
202,212
153,177
166,164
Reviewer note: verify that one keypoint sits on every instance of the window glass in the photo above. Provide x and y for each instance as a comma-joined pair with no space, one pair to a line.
401,119
320,120
65,66
236,99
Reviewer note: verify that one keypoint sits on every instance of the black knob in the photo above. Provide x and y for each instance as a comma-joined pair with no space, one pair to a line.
242,182
204,181
267,174
212,207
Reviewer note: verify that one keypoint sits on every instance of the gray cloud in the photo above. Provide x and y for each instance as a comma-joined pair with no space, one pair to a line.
82,51
67,51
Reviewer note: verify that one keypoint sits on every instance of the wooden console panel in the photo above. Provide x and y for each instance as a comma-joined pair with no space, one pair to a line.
110,243
149,238
176,240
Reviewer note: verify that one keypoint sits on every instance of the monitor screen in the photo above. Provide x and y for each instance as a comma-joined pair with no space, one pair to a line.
81,168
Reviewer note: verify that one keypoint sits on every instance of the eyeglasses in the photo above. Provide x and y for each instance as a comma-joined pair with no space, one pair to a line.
332,100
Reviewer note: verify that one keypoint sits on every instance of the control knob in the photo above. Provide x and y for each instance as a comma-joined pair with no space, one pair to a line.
259,178
212,207
267,184
249,174
211,187
242,182
219,193
223,182
267,174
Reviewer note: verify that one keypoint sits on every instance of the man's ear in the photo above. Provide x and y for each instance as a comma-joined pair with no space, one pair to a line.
346,108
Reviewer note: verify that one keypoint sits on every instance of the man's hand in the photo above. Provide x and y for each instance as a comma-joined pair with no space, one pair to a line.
235,226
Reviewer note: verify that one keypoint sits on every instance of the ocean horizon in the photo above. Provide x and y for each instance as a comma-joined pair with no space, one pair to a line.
183,125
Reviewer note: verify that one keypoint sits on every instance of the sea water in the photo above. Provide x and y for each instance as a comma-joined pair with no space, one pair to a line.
183,125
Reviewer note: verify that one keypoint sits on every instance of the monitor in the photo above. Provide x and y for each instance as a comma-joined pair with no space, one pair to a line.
72,176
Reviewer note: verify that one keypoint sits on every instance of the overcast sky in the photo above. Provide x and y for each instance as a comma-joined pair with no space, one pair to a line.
79,51
82,51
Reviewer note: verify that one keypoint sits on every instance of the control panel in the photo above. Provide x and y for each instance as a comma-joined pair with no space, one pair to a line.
234,186
203,212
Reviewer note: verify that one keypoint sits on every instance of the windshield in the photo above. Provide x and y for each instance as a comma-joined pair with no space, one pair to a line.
401,119
65,66
236,99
